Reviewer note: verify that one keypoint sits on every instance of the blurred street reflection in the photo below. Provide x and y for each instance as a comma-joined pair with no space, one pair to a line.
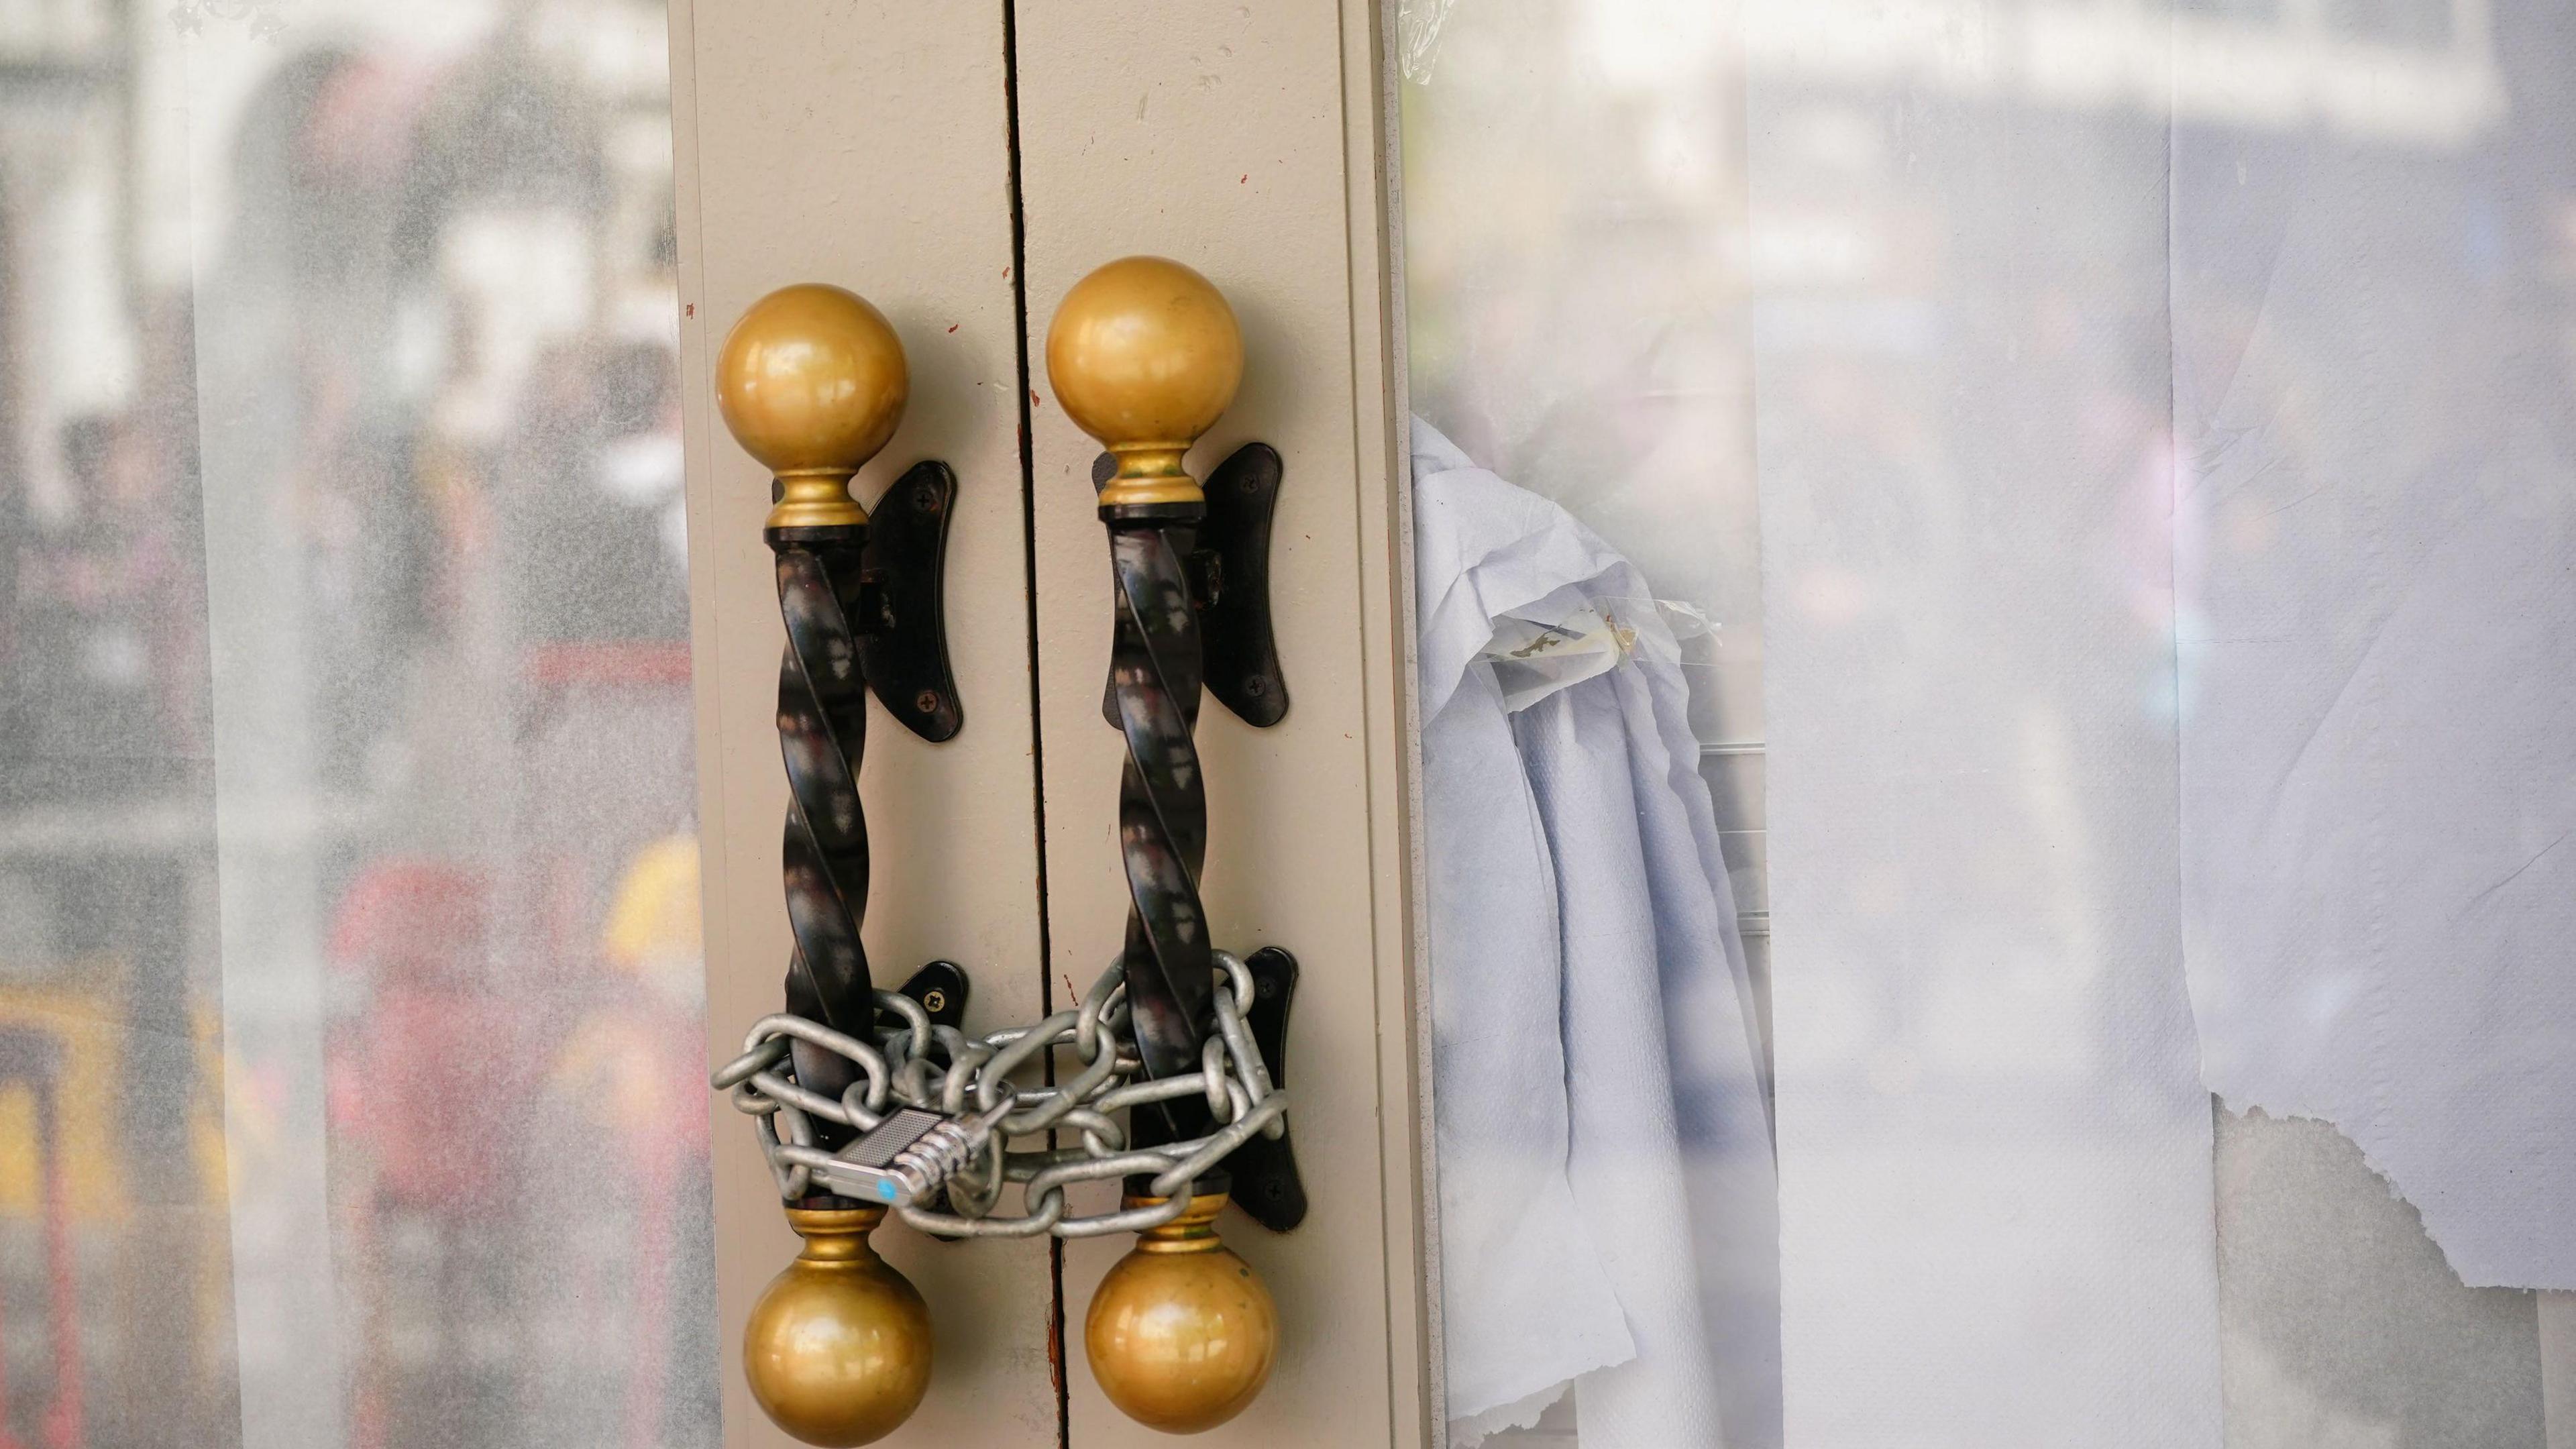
351,1082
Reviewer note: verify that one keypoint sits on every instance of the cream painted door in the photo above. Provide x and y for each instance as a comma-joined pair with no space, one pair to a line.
963,167
1247,140
867,146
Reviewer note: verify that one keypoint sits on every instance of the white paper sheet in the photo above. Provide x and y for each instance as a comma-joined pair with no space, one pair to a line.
2379,738
1994,1145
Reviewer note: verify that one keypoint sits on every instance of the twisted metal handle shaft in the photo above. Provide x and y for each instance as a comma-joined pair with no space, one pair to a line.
1144,355
822,733
1155,678
811,382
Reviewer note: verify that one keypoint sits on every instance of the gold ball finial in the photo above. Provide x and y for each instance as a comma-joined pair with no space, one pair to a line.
1181,1334
812,382
838,1347
1144,355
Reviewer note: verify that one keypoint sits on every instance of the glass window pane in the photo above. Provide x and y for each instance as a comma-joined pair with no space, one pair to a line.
351,1079
2090,481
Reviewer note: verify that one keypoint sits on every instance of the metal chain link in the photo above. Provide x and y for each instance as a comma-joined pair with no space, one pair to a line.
940,1069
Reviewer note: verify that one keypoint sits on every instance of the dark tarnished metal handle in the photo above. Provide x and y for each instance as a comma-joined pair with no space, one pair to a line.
822,735
812,382
1144,355
1155,681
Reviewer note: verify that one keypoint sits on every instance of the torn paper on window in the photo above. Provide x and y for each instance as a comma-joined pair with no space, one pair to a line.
2378,641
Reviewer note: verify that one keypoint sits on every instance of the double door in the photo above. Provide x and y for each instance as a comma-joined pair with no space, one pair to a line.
962,167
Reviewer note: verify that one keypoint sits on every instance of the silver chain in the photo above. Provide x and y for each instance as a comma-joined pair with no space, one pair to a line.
940,1069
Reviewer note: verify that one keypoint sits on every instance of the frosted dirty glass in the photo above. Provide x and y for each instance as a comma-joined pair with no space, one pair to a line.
351,1082
2124,451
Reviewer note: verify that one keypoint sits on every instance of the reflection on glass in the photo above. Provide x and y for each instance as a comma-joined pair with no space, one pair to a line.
2121,446
350,1026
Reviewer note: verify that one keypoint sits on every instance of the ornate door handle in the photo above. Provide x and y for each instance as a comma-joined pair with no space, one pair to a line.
812,382
1144,355
867,1099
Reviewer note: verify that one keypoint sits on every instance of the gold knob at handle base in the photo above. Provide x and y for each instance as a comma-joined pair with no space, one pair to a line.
838,1347
1181,1335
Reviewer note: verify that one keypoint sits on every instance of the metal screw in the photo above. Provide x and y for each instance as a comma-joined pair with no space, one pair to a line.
926,498
927,701
1255,686
1265,988
934,1001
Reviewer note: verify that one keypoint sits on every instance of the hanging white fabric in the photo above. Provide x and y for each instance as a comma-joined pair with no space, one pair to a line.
1608,1199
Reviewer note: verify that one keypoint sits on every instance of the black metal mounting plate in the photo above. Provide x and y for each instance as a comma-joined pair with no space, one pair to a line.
1242,655
941,989
1231,577
904,649
1266,1184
